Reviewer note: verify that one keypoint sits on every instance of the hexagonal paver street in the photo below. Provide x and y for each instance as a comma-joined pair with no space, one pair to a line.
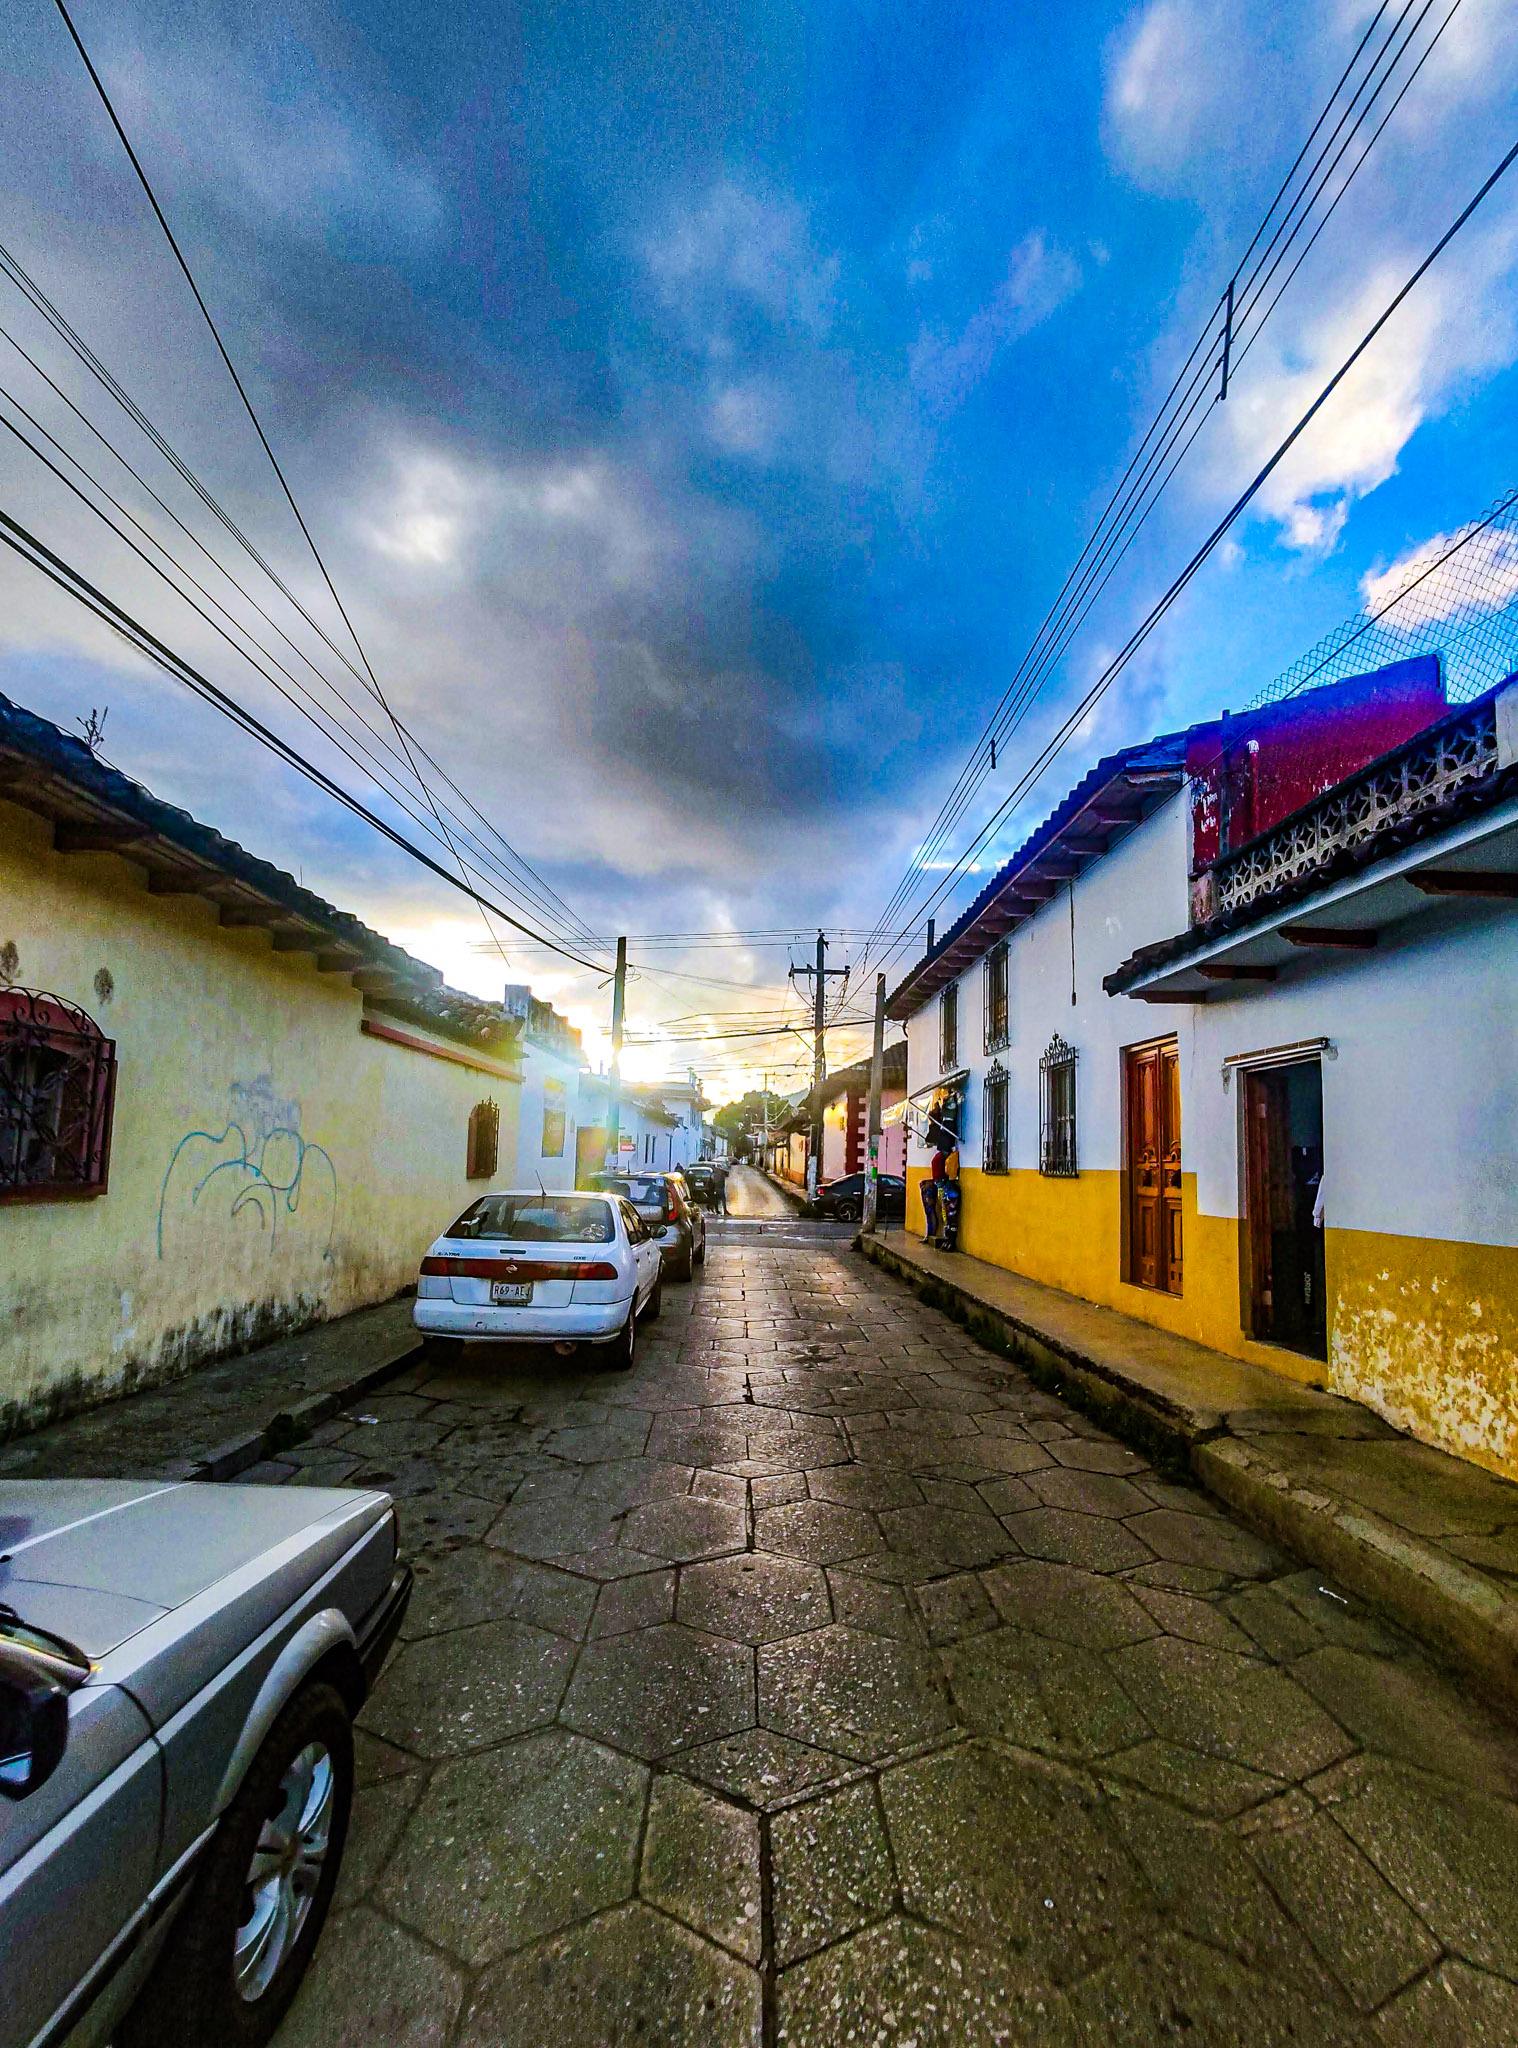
825,1684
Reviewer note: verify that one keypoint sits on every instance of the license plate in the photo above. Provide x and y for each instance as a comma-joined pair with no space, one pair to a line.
510,1290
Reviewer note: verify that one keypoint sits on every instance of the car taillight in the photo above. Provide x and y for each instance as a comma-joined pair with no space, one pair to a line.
519,1269
671,1204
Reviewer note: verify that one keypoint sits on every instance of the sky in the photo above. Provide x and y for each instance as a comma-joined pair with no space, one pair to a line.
698,410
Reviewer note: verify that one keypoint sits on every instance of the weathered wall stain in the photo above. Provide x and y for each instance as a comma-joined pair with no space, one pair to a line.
258,1167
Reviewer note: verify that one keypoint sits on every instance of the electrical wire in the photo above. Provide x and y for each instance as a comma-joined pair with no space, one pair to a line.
1080,589
258,428
70,580
1158,611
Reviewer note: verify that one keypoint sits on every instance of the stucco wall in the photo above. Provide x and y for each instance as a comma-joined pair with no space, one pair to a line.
545,1073
1420,1139
271,1164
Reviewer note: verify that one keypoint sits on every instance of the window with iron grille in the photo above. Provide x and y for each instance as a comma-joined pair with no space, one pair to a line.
484,1141
948,1029
994,1146
1056,1145
57,1088
998,1012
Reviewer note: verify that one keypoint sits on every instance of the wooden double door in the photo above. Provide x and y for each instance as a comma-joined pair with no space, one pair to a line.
1152,1147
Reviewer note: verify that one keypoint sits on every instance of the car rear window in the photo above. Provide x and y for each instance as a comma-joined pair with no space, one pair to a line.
538,1219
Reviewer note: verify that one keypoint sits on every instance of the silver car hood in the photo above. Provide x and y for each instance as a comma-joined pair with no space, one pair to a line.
95,1560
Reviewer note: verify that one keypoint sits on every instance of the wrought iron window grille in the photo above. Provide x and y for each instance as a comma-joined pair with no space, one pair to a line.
994,1151
1057,1155
998,1018
948,1029
57,1092
484,1147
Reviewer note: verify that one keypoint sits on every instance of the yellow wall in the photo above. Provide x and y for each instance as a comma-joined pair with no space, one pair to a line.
270,1163
1426,1332
1423,1330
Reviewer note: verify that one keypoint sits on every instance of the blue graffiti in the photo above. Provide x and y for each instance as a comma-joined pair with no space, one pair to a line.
272,1167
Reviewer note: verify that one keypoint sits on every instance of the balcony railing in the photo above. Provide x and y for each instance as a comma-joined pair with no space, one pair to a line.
1417,777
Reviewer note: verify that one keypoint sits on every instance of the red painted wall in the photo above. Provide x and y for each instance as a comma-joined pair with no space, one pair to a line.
1251,771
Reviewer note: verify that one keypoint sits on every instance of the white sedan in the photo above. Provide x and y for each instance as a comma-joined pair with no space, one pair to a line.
534,1268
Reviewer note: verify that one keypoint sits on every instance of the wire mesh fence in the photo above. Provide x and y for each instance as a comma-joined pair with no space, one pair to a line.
1456,596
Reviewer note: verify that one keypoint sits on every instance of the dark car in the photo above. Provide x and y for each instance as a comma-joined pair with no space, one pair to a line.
664,1202
707,1182
844,1199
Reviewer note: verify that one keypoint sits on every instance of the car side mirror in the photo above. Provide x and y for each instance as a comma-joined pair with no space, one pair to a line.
34,1723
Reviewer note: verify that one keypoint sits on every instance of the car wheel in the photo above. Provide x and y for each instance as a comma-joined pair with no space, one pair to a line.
655,1303
700,1252
684,1264
242,1943
624,1347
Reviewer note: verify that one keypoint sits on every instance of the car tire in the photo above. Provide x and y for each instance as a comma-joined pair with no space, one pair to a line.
653,1307
624,1346
684,1264
194,1995
699,1255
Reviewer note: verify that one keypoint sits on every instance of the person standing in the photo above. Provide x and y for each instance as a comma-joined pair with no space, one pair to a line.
948,1199
932,1191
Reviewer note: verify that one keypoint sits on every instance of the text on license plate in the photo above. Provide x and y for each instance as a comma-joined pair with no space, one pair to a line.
511,1290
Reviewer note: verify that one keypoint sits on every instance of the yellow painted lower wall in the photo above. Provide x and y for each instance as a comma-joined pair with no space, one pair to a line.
271,1164
1424,1331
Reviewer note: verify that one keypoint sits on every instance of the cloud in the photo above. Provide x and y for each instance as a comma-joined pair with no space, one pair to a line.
1458,326
1159,86
735,256
1482,577
946,369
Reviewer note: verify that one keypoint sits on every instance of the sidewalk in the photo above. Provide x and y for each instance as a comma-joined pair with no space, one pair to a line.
1429,1538
218,1422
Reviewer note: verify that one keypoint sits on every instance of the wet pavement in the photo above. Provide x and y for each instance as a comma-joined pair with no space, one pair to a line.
819,1683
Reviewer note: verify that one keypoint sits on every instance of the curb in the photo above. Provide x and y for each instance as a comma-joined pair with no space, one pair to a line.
1460,1614
294,1424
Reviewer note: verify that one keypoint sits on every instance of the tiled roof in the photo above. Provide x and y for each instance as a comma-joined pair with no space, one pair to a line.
95,808
1140,775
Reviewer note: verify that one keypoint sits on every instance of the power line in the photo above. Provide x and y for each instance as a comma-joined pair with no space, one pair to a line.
69,579
1106,546
258,428
532,884
1158,611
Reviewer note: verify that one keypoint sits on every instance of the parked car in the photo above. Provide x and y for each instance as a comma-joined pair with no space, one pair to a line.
665,1203
844,1199
707,1183
533,1268
180,1666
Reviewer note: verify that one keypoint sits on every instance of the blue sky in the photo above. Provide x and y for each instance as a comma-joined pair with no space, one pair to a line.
700,407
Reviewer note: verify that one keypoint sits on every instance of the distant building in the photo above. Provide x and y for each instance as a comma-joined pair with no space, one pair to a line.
1229,1044
661,1125
227,1110
553,1066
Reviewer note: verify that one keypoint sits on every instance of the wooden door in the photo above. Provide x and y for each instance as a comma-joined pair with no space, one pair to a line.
1153,1142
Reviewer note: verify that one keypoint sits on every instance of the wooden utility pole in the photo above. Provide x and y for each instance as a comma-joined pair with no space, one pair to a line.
871,1206
820,974
618,1007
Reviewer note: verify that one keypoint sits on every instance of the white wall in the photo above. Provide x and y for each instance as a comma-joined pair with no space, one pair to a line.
541,1069
1420,1097
1131,897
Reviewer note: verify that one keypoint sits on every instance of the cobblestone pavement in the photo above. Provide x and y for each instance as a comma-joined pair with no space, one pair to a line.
821,1683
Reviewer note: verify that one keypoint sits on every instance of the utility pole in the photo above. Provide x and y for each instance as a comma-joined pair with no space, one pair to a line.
820,975
872,1121
614,1111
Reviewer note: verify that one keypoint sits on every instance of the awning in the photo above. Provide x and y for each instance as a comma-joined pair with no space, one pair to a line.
924,1107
